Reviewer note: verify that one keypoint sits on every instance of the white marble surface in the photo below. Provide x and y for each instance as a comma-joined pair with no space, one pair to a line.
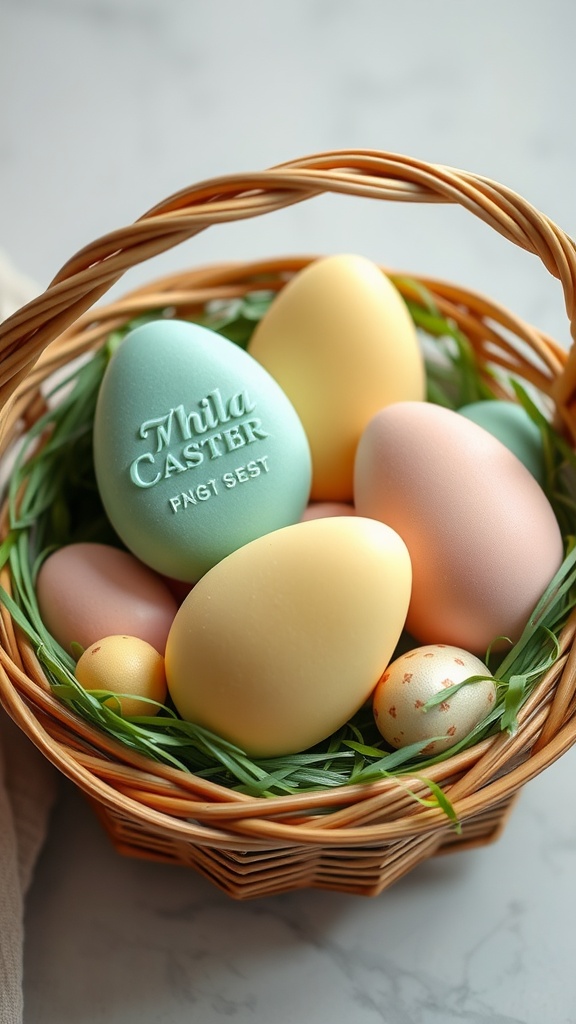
106,107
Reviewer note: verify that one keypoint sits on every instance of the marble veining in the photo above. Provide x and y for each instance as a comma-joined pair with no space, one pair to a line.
480,937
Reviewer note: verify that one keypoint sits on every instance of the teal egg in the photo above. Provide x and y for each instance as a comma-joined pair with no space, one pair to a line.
197,450
512,426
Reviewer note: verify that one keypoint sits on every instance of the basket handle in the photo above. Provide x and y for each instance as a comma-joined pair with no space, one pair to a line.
376,175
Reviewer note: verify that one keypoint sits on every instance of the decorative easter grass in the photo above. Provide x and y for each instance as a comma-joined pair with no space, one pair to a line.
53,500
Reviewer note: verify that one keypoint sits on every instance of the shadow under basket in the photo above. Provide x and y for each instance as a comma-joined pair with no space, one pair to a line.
356,838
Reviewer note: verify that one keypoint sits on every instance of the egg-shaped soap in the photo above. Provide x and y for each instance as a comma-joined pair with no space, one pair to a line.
86,591
511,424
197,450
482,535
340,341
282,641
400,700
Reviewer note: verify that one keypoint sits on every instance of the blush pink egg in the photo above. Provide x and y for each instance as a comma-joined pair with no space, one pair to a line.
179,588
87,591
482,535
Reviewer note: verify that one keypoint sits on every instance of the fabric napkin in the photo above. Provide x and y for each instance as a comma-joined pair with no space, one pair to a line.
27,787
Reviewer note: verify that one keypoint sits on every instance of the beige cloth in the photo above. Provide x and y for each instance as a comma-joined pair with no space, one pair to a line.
27,784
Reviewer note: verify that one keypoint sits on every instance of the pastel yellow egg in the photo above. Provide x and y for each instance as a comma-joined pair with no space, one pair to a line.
482,535
129,667
279,644
400,698
340,342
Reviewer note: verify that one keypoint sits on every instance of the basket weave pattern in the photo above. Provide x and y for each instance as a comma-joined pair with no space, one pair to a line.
357,838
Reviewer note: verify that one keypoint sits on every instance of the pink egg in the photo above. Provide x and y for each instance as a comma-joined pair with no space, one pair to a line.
87,591
327,509
482,535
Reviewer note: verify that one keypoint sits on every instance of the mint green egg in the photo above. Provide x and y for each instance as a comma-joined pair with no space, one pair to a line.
197,450
512,426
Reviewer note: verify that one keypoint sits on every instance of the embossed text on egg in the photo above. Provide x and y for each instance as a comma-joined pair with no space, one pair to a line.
149,468
202,492
209,489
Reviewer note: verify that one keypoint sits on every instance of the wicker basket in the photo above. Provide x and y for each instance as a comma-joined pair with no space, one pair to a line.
356,839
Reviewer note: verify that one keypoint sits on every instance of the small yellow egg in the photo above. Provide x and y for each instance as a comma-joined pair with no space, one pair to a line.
124,665
400,698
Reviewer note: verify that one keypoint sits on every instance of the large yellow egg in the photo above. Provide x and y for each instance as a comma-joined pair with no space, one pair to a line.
340,342
282,641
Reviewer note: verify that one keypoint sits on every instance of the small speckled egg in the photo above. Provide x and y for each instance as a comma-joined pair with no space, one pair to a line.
130,668
511,424
483,538
282,642
340,342
87,591
413,679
